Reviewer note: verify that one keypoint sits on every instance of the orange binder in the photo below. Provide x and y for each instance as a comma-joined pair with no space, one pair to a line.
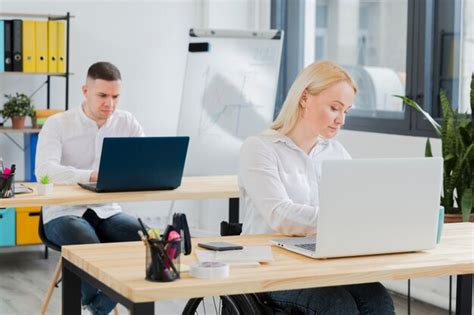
29,46
41,46
52,46
61,47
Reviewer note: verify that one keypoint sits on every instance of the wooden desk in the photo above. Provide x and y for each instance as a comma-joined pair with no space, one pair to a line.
119,271
199,187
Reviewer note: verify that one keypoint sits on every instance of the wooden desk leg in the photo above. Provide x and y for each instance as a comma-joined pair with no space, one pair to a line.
233,210
464,295
143,309
71,291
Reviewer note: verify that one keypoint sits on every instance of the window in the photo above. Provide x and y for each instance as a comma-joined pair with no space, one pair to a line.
402,47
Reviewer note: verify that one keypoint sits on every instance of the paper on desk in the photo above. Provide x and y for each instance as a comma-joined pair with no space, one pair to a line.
20,189
247,255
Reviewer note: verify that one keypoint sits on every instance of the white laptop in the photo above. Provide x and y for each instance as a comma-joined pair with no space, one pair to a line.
374,206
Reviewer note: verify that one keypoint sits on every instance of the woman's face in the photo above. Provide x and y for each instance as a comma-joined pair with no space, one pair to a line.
325,112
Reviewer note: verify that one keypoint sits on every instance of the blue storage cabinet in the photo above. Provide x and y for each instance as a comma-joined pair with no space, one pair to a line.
7,226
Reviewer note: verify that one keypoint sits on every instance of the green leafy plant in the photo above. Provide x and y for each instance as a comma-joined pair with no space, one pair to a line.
457,142
17,106
44,180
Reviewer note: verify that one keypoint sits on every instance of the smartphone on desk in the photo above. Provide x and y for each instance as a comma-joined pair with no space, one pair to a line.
219,246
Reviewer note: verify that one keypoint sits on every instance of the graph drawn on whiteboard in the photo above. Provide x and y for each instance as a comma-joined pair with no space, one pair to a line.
229,94
219,109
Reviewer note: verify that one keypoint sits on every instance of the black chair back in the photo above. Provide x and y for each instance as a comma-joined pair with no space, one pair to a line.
43,237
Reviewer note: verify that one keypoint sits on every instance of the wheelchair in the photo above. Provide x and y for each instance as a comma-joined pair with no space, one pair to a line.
239,304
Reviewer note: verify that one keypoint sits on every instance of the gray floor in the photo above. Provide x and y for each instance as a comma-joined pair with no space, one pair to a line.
25,276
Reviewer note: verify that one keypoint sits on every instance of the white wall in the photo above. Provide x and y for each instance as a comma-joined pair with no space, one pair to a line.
377,145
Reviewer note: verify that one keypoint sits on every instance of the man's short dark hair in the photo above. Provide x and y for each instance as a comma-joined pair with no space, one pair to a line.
105,71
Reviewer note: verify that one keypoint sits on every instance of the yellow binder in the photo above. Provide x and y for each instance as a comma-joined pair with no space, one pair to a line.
61,47
41,46
52,46
29,46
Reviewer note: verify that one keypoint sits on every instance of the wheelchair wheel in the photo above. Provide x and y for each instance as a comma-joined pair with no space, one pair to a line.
240,304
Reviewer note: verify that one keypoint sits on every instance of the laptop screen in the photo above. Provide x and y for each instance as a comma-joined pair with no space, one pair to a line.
142,163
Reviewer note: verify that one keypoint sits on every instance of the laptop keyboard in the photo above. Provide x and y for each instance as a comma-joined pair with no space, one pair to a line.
309,246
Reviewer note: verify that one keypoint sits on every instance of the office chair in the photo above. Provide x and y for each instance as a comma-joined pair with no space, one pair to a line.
57,271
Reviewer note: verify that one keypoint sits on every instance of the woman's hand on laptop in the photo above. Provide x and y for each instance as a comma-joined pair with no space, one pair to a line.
93,177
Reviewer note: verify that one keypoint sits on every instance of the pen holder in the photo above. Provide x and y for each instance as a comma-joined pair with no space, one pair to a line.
7,185
162,260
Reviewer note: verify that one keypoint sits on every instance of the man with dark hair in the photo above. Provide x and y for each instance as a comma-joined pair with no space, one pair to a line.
105,71
68,151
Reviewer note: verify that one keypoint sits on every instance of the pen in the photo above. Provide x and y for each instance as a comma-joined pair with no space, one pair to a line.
165,257
143,228
165,272
142,236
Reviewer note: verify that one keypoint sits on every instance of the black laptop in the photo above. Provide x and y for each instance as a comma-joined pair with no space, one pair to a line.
140,163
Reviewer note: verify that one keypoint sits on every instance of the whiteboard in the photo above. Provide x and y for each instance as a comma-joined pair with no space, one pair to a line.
229,93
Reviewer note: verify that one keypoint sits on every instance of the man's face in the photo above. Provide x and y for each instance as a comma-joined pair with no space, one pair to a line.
101,98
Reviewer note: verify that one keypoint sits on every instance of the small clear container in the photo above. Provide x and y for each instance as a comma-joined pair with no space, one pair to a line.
7,185
162,260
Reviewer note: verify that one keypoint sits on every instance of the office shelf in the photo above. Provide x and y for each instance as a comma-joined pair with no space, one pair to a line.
12,73
22,130
38,16
50,17
27,219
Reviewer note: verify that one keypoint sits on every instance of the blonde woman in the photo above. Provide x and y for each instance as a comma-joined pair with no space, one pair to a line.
279,176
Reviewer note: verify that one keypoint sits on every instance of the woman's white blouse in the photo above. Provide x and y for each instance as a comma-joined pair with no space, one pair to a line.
279,183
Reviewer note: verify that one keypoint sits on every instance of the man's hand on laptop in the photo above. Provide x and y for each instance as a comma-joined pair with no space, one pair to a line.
93,177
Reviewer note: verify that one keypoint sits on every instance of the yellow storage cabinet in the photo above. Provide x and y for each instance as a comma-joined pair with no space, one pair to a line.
27,220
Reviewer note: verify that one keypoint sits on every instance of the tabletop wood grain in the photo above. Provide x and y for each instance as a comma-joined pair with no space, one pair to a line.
121,266
198,187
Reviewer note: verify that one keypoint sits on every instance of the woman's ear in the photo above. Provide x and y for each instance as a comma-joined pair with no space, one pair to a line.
304,98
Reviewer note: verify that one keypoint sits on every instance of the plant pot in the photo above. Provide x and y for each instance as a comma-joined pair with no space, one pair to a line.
44,189
18,122
456,218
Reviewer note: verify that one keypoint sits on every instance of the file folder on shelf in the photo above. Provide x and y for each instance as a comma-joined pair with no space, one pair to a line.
61,47
41,46
52,46
2,46
8,60
29,46
17,45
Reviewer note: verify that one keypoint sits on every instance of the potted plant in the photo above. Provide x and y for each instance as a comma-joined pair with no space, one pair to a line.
44,186
457,142
17,108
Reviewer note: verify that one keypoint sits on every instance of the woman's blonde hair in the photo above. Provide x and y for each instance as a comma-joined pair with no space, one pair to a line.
314,79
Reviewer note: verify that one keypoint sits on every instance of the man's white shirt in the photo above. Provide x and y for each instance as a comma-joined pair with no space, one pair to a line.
69,149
